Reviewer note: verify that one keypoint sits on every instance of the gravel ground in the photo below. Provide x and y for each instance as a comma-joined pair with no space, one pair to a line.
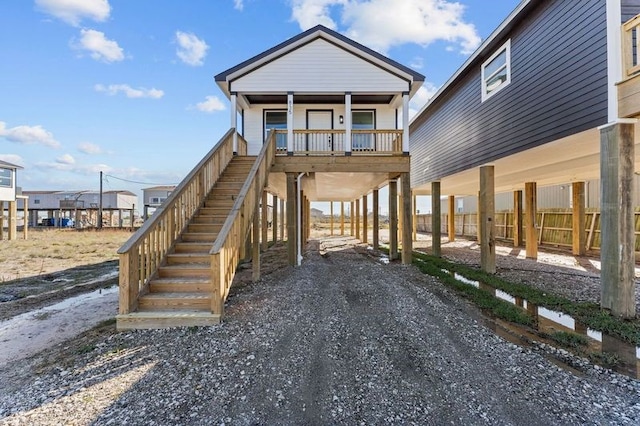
345,339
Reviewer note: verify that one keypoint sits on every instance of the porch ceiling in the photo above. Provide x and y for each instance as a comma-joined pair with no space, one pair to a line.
330,186
258,98
571,159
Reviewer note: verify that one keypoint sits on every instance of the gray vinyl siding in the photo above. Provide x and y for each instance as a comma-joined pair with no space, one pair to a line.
558,88
630,8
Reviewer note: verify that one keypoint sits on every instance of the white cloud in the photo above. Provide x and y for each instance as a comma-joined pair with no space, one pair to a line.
130,92
89,148
28,135
417,63
81,169
309,13
66,159
372,23
13,159
191,50
73,11
238,4
100,47
211,104
420,99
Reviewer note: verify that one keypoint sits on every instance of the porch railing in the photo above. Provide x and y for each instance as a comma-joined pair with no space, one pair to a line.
145,251
332,142
225,253
630,46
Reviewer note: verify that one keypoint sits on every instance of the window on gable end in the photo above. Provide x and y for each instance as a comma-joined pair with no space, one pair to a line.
496,71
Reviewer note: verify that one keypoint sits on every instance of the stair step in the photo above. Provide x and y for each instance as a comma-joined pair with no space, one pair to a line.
192,247
204,227
211,219
187,270
164,319
208,237
178,300
189,258
176,285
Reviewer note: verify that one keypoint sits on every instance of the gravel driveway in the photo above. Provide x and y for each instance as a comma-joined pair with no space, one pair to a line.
344,339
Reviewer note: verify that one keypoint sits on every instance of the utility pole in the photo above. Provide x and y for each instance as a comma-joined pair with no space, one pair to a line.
100,204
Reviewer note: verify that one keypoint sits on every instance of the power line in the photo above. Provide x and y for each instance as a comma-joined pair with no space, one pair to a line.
140,183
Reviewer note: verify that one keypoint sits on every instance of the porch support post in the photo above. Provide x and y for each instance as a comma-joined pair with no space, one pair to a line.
1,220
347,124
393,219
341,217
407,223
517,218
234,121
365,224
290,146
617,219
255,255
358,219
352,219
414,219
579,235
530,211
436,218
291,218
405,123
13,220
376,220
487,222
331,218
265,219
452,218
274,219
282,221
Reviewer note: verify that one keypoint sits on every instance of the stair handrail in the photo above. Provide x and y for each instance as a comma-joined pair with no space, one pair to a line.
145,250
225,252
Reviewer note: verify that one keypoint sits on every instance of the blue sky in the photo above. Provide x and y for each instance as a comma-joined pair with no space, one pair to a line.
126,86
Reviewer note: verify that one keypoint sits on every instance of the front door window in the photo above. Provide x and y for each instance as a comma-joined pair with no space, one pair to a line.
362,120
276,120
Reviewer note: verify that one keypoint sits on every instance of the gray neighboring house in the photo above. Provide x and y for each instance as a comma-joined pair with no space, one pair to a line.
154,196
550,98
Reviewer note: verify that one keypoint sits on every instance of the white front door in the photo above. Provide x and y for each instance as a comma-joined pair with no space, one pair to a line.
322,122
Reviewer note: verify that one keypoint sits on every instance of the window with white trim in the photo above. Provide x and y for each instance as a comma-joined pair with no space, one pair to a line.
496,71
6,177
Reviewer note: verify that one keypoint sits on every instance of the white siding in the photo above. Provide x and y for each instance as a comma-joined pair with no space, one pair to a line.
320,67
254,121
9,194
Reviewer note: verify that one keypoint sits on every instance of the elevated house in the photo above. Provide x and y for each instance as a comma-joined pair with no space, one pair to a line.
9,193
322,118
549,98
154,196
78,208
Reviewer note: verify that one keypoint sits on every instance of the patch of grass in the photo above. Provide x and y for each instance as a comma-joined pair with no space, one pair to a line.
484,300
570,340
42,316
589,314
84,349
605,359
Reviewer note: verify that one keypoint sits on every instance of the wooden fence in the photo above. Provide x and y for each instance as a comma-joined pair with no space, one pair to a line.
554,227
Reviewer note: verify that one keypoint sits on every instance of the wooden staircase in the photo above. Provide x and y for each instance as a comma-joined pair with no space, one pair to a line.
180,293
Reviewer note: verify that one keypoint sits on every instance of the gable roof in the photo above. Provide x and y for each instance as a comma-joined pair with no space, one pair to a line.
318,32
8,165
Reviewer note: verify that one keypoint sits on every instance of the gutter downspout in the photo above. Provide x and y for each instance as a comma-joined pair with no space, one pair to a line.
299,195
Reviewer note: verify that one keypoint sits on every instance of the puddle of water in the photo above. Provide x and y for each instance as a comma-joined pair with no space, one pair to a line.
549,321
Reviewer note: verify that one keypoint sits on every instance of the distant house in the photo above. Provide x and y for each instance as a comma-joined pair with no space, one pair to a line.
8,193
545,100
80,208
154,196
